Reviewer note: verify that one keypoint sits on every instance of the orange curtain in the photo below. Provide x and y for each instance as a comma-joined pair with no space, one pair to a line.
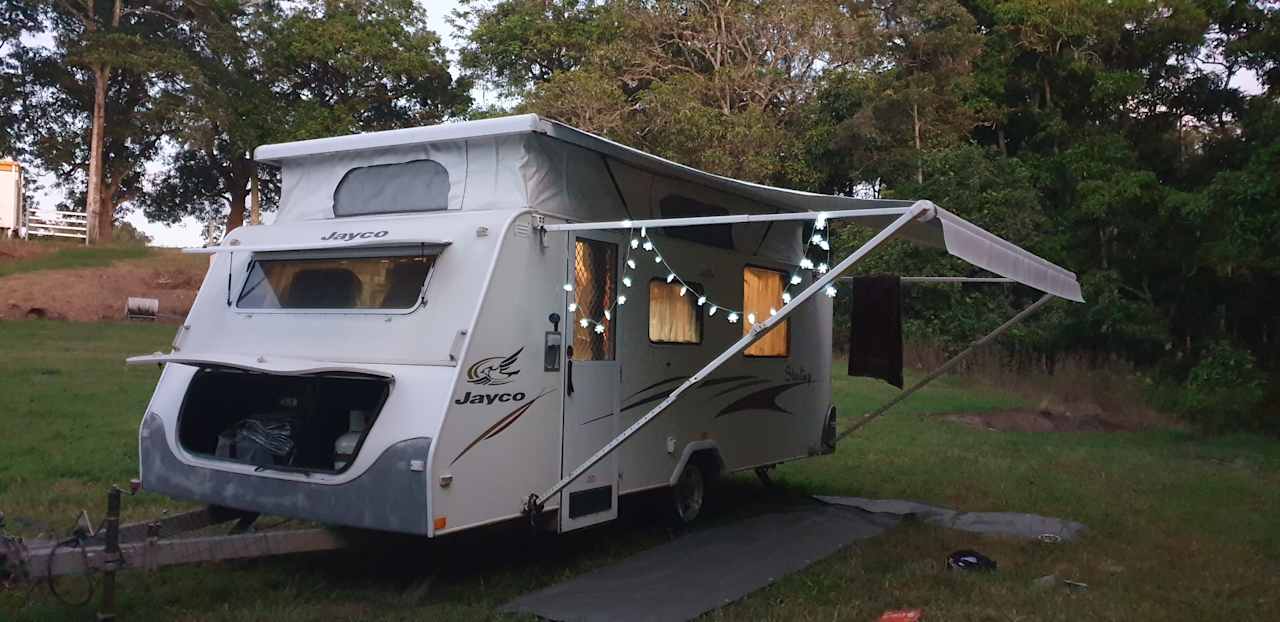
673,318
762,290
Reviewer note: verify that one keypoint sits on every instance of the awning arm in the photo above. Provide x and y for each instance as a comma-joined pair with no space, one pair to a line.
996,280
945,367
738,218
921,208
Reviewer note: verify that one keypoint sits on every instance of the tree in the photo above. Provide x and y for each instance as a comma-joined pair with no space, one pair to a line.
261,74
516,44
680,76
100,43
16,18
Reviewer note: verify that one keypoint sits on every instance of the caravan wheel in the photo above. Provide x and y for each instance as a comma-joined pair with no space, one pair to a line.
689,492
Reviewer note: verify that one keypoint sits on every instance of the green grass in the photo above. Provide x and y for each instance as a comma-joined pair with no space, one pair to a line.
73,257
1181,527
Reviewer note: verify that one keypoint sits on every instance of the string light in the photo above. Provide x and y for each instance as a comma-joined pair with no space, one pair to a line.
643,241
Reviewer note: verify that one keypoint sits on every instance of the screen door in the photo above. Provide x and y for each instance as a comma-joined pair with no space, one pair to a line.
592,380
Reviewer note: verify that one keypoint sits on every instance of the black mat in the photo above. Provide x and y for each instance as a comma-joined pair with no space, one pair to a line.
705,569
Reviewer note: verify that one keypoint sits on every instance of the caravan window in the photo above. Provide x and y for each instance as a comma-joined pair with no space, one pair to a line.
674,318
415,186
761,291
389,282
595,272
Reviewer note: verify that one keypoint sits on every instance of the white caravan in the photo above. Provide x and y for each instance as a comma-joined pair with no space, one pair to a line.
452,326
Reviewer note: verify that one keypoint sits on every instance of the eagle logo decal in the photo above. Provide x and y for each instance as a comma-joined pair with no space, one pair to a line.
494,370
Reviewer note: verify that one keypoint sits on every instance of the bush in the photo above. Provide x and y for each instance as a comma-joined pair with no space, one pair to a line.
1225,391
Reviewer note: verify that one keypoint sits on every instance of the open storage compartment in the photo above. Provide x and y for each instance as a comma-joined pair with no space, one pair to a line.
305,423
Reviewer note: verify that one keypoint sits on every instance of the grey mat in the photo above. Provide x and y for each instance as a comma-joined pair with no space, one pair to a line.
705,569
998,523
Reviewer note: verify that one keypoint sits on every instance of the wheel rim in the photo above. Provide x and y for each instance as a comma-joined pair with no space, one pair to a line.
689,493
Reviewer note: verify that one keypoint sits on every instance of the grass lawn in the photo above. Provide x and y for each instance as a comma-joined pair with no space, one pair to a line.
73,257
1182,527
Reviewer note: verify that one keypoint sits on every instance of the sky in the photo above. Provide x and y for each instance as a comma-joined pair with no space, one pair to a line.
190,232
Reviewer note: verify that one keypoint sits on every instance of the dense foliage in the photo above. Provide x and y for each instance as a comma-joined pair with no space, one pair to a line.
1135,141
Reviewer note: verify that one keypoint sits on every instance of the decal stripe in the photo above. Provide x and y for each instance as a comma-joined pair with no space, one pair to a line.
749,383
501,424
764,399
657,384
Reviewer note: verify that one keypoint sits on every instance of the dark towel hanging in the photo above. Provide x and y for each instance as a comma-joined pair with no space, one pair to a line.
875,328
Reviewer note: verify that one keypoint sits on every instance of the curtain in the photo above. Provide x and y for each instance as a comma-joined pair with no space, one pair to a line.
673,318
761,291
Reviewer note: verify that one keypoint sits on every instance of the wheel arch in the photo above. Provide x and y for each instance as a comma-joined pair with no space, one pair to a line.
697,450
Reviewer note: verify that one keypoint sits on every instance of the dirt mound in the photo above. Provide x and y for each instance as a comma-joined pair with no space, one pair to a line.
16,250
99,293
1023,420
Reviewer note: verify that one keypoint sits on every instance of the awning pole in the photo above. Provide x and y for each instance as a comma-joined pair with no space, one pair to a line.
945,367
535,501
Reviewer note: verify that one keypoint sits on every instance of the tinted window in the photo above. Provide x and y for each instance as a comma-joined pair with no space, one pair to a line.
333,283
683,207
415,186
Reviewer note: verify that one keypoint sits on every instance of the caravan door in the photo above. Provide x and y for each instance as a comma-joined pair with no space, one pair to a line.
592,379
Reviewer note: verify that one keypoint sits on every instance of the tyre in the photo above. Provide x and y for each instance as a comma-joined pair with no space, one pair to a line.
689,493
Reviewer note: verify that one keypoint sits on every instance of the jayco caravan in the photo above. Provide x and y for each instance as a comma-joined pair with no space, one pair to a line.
452,326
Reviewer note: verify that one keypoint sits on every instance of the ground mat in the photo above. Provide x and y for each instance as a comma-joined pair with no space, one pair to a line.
1015,524
705,569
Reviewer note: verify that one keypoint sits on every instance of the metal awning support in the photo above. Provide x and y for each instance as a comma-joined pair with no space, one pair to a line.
735,219
954,279
919,209
945,367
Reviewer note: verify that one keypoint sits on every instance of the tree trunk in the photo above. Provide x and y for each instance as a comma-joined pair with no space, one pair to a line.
93,204
1004,146
915,122
255,199
106,211
235,218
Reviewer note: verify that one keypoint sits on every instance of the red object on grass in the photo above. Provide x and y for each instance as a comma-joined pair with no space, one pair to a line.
902,615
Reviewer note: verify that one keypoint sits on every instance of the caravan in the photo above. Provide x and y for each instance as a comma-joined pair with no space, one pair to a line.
453,326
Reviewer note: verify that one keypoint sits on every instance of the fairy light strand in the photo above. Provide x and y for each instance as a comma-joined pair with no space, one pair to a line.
645,243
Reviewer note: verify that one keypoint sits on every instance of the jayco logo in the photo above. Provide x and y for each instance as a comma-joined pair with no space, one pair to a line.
490,398
347,237
494,370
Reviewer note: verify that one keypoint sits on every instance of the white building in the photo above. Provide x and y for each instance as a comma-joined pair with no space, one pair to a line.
12,215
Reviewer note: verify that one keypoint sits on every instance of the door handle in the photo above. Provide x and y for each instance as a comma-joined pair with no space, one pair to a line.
568,371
